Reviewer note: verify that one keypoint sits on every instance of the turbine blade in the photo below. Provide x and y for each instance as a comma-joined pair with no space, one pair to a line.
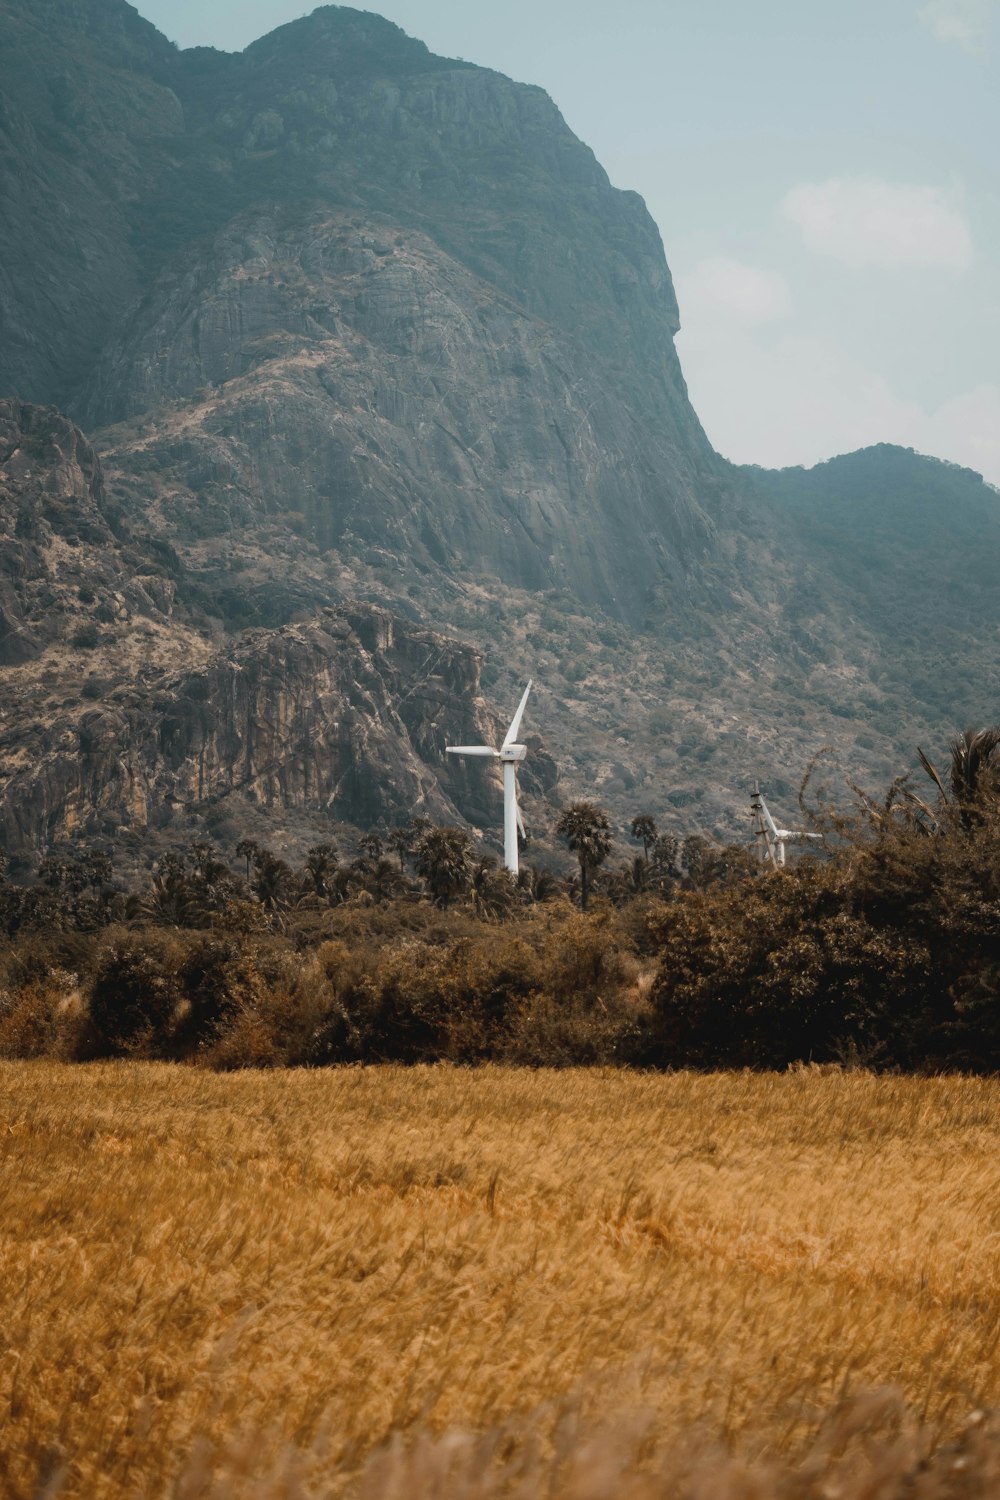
765,810
520,820
470,750
515,722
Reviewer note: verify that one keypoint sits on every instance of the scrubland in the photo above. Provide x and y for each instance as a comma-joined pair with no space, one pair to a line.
439,1281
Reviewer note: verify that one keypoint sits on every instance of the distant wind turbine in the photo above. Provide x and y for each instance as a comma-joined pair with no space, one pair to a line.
771,840
509,754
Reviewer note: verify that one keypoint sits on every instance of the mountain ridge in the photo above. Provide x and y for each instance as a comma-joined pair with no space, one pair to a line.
350,322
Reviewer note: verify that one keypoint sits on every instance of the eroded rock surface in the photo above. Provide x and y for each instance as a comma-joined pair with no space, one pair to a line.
394,292
344,718
118,719
372,388
348,320
61,567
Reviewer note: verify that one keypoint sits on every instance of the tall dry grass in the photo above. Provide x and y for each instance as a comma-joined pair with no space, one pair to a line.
429,1281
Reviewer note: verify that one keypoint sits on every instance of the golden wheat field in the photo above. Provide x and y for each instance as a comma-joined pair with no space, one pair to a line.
432,1281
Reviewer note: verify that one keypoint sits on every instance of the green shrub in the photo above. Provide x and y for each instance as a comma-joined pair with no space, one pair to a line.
889,953
133,993
214,977
778,972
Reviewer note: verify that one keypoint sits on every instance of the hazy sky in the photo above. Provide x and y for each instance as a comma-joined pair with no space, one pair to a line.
825,177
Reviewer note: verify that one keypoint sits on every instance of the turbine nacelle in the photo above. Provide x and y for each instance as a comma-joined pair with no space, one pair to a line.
771,839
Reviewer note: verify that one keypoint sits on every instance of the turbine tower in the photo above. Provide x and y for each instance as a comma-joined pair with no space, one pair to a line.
509,754
771,840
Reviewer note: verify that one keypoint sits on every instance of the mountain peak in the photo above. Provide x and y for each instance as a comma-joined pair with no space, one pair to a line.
345,39
124,37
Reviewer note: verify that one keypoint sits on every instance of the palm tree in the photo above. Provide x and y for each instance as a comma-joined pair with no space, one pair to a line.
247,849
210,875
495,891
370,845
403,841
974,764
272,881
321,861
379,877
975,770
587,830
643,829
443,858
400,841
97,863
664,873
538,885
171,900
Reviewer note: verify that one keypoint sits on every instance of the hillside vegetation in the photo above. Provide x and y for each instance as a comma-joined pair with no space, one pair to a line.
523,1283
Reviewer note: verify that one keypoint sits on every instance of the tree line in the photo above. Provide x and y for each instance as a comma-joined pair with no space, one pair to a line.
884,951
197,885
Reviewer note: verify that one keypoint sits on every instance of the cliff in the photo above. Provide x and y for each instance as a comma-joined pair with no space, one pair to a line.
434,326
346,321
62,567
121,721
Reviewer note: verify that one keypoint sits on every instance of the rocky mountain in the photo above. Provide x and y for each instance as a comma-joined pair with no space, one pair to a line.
456,333
120,721
351,324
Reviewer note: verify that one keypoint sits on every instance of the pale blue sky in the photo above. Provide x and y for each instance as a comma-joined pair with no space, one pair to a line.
825,177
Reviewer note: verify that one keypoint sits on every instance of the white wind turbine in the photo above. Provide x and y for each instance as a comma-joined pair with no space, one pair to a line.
509,754
771,840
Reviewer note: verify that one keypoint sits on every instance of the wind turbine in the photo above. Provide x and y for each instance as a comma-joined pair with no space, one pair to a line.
509,754
771,840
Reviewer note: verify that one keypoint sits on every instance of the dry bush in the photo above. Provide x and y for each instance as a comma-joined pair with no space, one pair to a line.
217,976
403,982
888,954
419,1001
44,1019
364,927
554,989
584,957
547,1032
786,971
42,1009
590,1006
277,1002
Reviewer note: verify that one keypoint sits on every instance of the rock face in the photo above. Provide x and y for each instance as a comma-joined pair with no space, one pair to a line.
372,386
439,330
118,719
345,716
82,97
61,565
350,321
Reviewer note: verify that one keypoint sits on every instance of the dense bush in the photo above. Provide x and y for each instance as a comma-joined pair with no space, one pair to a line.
133,992
401,982
888,954
882,950
217,974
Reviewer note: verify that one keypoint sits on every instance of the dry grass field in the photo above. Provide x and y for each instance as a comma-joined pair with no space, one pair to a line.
433,1282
